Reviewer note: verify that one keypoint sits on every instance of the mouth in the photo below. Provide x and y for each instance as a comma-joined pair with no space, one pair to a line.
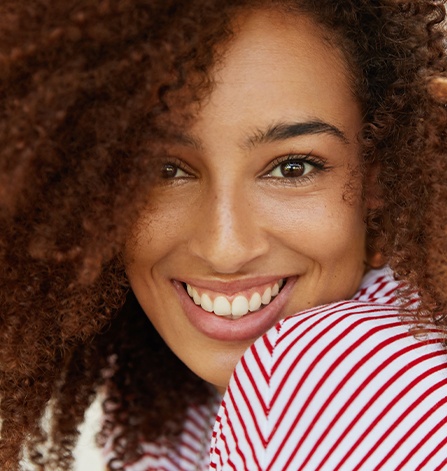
235,311
238,304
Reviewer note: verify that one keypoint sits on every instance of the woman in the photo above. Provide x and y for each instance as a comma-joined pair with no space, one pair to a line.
224,167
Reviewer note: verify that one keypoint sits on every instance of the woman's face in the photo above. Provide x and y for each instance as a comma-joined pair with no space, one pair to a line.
262,194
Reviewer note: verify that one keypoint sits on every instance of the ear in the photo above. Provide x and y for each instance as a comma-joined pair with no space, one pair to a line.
373,198
372,192
375,260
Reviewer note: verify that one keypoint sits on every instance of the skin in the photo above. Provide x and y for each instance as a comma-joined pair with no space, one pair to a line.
225,218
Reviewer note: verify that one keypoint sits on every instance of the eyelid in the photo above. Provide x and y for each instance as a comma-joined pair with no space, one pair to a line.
318,162
177,163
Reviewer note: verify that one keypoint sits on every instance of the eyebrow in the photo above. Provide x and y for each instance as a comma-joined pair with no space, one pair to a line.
282,131
275,132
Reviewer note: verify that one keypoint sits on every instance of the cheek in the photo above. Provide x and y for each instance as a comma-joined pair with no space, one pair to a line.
158,229
328,231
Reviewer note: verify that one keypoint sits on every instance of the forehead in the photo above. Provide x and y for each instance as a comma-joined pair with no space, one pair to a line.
280,67
277,44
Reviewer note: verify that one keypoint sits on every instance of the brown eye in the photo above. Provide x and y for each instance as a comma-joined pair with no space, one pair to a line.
169,170
292,169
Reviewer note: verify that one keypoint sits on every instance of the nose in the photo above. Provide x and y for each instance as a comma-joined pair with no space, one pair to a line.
228,232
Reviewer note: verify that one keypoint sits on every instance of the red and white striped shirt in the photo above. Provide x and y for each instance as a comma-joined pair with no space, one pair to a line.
190,452
344,386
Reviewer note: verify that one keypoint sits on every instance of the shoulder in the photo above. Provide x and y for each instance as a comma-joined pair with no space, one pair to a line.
325,388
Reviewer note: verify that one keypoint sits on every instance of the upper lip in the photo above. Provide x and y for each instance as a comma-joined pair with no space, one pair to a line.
231,287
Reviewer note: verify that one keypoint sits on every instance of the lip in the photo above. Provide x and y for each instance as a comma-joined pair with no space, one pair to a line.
248,327
230,287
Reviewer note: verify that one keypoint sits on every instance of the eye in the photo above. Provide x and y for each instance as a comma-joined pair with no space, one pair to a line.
171,170
291,169
295,167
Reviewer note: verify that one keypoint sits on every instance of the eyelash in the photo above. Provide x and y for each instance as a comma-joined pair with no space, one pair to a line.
318,164
178,165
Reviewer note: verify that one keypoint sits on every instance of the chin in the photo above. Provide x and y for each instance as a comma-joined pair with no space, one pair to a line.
219,368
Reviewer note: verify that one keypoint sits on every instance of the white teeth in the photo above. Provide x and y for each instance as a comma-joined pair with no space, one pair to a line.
206,303
196,296
267,296
240,305
222,306
255,302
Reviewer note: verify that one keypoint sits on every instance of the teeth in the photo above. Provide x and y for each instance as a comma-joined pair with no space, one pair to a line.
222,306
267,296
255,302
240,306
196,297
206,303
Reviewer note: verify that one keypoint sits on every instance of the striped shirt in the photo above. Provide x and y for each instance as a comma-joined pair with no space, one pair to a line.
190,452
346,386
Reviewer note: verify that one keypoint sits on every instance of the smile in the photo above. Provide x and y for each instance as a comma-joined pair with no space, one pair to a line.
236,305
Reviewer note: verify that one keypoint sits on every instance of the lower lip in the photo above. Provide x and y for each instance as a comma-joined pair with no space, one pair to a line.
249,327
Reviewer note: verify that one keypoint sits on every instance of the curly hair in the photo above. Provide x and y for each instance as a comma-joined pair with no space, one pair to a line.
87,87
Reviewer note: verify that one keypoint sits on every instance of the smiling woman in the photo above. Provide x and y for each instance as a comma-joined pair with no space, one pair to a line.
250,200
228,220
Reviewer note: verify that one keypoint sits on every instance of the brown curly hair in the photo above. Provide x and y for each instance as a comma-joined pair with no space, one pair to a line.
87,88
